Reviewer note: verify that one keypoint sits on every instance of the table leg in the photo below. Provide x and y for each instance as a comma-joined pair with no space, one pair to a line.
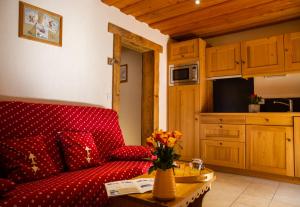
198,201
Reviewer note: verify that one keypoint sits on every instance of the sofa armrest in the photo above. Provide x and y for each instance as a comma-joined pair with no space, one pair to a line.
131,153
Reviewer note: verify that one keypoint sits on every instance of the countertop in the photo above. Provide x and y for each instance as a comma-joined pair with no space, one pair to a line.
253,114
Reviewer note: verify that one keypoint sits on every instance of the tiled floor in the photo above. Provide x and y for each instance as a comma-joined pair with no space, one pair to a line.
241,191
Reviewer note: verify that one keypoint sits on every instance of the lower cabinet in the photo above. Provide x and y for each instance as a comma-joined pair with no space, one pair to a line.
270,149
223,153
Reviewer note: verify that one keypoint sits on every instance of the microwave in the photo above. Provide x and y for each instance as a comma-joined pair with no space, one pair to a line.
184,74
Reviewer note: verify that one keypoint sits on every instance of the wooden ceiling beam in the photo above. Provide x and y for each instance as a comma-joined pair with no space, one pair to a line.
176,10
146,6
207,13
243,24
125,3
109,2
261,11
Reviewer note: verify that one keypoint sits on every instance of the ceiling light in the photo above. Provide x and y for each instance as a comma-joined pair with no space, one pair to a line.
197,2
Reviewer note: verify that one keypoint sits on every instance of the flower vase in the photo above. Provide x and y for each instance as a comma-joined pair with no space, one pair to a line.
253,108
164,188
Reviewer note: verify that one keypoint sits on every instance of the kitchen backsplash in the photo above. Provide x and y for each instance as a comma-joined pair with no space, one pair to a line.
269,105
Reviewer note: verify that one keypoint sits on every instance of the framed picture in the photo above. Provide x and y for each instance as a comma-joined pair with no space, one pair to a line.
39,25
123,73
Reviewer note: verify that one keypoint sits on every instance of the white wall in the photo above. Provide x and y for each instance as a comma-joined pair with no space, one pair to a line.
131,97
269,87
77,71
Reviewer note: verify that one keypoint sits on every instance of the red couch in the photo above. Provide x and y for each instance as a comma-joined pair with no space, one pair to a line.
77,188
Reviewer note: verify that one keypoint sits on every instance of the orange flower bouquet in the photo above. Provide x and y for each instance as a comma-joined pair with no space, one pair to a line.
164,145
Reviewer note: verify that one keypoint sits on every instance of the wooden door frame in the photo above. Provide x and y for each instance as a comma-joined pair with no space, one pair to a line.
123,37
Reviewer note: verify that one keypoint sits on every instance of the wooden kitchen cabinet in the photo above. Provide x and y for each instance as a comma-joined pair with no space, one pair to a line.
263,56
225,132
184,50
297,145
292,51
223,153
183,115
270,149
223,60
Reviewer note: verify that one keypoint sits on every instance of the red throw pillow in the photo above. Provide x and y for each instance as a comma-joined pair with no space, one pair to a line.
6,185
80,150
26,159
131,153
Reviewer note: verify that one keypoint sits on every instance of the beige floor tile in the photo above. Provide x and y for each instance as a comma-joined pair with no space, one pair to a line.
219,199
261,191
288,193
282,204
230,190
252,201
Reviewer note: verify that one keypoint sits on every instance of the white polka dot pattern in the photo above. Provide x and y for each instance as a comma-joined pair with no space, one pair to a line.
80,150
6,185
131,153
77,188
18,119
26,159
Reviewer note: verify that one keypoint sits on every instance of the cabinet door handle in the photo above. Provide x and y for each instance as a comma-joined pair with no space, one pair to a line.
237,62
221,120
289,139
243,61
267,120
221,126
221,143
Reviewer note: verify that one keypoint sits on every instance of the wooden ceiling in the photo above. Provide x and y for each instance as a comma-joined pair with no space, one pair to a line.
183,18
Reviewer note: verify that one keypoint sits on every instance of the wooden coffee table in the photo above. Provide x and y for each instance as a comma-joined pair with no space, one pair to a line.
187,194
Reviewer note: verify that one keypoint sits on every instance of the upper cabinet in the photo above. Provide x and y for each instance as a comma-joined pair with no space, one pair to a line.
184,50
263,56
267,56
292,51
223,60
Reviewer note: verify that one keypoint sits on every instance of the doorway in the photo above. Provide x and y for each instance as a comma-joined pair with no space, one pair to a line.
150,76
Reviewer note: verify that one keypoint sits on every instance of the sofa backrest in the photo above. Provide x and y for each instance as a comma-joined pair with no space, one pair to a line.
20,119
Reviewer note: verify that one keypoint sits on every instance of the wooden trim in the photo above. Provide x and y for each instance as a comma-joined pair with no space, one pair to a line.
116,73
21,21
46,101
156,90
297,145
147,96
151,51
130,37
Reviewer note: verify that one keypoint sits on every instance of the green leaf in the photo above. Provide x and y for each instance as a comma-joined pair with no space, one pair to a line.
151,169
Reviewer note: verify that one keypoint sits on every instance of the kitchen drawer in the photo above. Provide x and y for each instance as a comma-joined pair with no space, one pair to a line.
222,153
270,120
225,132
222,119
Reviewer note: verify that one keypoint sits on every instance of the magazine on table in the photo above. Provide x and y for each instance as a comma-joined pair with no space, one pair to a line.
124,187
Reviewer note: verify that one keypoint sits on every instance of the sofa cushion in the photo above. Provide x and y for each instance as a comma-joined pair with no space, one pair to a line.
79,149
77,188
26,159
6,185
131,153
